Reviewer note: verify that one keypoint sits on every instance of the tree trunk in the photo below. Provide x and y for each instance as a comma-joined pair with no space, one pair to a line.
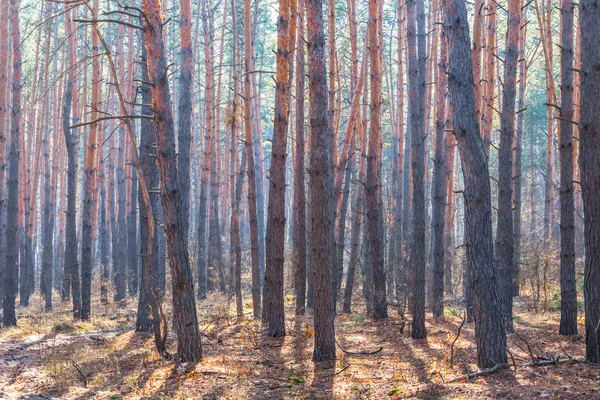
273,311
252,209
416,89
449,208
237,172
439,185
357,211
589,142
132,239
489,330
568,286
300,238
491,47
120,267
321,185
211,149
104,234
12,224
401,195
71,267
91,178
374,182
150,284
189,347
504,232
184,130
518,156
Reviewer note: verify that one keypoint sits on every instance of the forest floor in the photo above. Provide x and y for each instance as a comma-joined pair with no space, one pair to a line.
49,356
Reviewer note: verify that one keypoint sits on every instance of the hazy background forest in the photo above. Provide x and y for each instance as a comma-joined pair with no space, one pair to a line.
299,199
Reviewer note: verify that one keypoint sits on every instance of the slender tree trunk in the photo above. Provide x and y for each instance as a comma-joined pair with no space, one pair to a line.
120,267
91,178
357,211
491,47
104,234
401,284
237,172
417,98
504,232
4,70
374,181
300,239
518,156
489,330
184,130
589,142
12,223
449,209
568,292
211,149
132,238
343,173
439,185
321,185
150,284
71,267
273,311
478,44
252,209
189,347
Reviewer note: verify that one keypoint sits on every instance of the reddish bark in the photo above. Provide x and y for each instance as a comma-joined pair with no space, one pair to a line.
189,347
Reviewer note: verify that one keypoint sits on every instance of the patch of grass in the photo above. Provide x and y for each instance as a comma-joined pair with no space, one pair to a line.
362,389
63,327
394,391
357,320
452,311
83,326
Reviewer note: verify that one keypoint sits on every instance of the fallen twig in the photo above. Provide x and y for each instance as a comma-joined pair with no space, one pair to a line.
358,353
80,371
342,370
498,367
456,338
483,372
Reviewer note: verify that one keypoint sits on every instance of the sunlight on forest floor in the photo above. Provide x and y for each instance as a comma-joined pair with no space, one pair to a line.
50,356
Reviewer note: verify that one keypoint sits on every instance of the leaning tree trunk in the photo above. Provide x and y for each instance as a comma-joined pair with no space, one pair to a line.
149,282
189,347
321,185
504,232
489,329
568,284
589,145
